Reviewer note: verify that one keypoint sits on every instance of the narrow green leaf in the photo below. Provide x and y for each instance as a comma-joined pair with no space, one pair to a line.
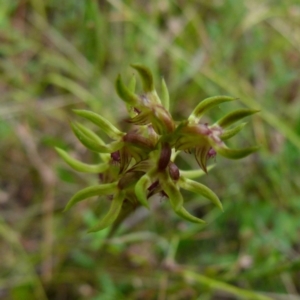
103,123
200,189
235,153
165,97
112,214
229,133
208,104
125,93
146,76
216,285
235,116
94,145
141,188
91,191
80,166
183,213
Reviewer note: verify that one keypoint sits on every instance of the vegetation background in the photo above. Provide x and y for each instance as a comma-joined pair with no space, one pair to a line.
58,55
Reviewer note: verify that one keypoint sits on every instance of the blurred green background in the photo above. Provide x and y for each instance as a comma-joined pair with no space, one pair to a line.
59,55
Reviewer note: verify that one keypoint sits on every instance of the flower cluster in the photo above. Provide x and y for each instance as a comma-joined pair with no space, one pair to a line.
140,163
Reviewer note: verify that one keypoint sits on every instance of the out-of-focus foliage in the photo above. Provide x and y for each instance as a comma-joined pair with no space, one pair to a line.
59,55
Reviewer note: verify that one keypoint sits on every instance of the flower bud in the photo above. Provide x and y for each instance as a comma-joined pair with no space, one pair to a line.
165,156
174,171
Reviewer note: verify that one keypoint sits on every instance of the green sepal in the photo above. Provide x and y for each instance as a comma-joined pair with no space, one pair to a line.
126,94
141,188
165,97
200,189
103,123
183,213
235,116
146,76
91,191
94,145
112,214
172,190
207,104
80,166
235,153
229,133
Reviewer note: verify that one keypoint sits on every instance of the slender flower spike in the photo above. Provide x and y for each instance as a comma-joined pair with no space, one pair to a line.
140,163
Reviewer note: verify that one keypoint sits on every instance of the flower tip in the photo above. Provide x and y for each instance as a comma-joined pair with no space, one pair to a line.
76,111
65,209
146,76
221,207
92,230
58,150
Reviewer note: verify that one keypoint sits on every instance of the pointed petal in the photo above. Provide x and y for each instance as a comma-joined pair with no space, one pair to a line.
91,191
126,94
80,166
165,97
235,116
94,144
171,189
207,104
103,123
235,153
89,133
141,189
229,133
183,213
200,189
191,174
146,76
112,214
132,84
